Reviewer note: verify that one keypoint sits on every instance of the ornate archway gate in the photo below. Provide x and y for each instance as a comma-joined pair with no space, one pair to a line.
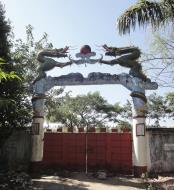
135,81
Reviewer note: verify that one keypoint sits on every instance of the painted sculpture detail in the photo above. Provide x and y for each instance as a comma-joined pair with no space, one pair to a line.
135,81
47,63
128,57
85,55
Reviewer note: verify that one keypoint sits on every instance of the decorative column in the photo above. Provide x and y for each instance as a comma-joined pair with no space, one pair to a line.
37,131
139,111
37,128
139,133
137,86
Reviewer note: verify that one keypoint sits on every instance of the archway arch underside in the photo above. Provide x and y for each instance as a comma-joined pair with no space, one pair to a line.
74,79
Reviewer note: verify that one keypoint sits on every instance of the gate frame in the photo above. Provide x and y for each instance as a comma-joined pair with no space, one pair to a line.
136,85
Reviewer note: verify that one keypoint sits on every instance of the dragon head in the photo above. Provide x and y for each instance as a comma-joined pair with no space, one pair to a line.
62,52
110,51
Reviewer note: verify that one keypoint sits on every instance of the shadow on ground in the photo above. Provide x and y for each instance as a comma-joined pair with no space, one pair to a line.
114,180
44,185
80,181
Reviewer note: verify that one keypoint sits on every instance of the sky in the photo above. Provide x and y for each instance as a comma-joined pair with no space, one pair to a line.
75,23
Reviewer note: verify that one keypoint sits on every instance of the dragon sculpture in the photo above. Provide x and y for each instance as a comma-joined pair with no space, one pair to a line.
46,63
128,57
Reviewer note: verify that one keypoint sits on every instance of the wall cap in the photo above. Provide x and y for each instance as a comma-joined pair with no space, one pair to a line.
163,129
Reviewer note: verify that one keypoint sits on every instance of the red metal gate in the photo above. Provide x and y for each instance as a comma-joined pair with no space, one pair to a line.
112,151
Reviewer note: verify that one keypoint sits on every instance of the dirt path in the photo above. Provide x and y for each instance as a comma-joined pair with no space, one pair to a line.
79,181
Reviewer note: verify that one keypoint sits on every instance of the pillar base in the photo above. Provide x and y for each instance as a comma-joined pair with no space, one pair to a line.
139,170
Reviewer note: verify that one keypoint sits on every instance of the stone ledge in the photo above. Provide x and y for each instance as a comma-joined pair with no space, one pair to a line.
160,129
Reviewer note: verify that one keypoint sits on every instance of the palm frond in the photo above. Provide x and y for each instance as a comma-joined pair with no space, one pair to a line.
142,13
168,9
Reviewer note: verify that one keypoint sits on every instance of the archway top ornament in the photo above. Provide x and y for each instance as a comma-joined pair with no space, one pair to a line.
135,81
85,55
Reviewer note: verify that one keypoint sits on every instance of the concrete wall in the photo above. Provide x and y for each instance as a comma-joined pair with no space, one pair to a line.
17,150
160,149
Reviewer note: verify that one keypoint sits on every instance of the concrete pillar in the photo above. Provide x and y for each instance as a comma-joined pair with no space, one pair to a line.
139,147
139,134
37,131
37,140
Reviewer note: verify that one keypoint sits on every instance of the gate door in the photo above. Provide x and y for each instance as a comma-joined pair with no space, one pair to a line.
94,151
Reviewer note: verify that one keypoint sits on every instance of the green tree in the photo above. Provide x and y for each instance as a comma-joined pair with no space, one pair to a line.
160,108
4,37
24,54
169,101
5,75
5,47
20,56
127,110
11,96
89,110
124,125
143,13
18,112
54,100
10,99
156,109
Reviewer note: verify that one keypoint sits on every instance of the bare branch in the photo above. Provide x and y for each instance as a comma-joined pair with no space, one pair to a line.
157,58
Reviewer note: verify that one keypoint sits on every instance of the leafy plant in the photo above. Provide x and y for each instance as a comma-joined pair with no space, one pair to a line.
4,75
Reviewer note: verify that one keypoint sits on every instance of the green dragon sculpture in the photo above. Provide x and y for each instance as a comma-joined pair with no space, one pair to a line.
127,58
46,63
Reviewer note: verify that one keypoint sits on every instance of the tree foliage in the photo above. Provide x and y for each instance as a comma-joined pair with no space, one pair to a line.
4,37
19,56
127,111
25,52
124,125
146,12
12,99
160,108
89,110
156,109
169,101
5,75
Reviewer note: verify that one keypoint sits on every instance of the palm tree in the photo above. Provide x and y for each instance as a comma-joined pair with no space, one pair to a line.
143,13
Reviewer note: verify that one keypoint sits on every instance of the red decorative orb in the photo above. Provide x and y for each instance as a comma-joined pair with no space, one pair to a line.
85,49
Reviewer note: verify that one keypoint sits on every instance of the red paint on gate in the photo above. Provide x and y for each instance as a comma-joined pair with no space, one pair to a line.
111,151
65,150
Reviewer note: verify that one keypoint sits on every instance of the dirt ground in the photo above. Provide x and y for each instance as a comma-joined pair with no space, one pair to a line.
81,181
